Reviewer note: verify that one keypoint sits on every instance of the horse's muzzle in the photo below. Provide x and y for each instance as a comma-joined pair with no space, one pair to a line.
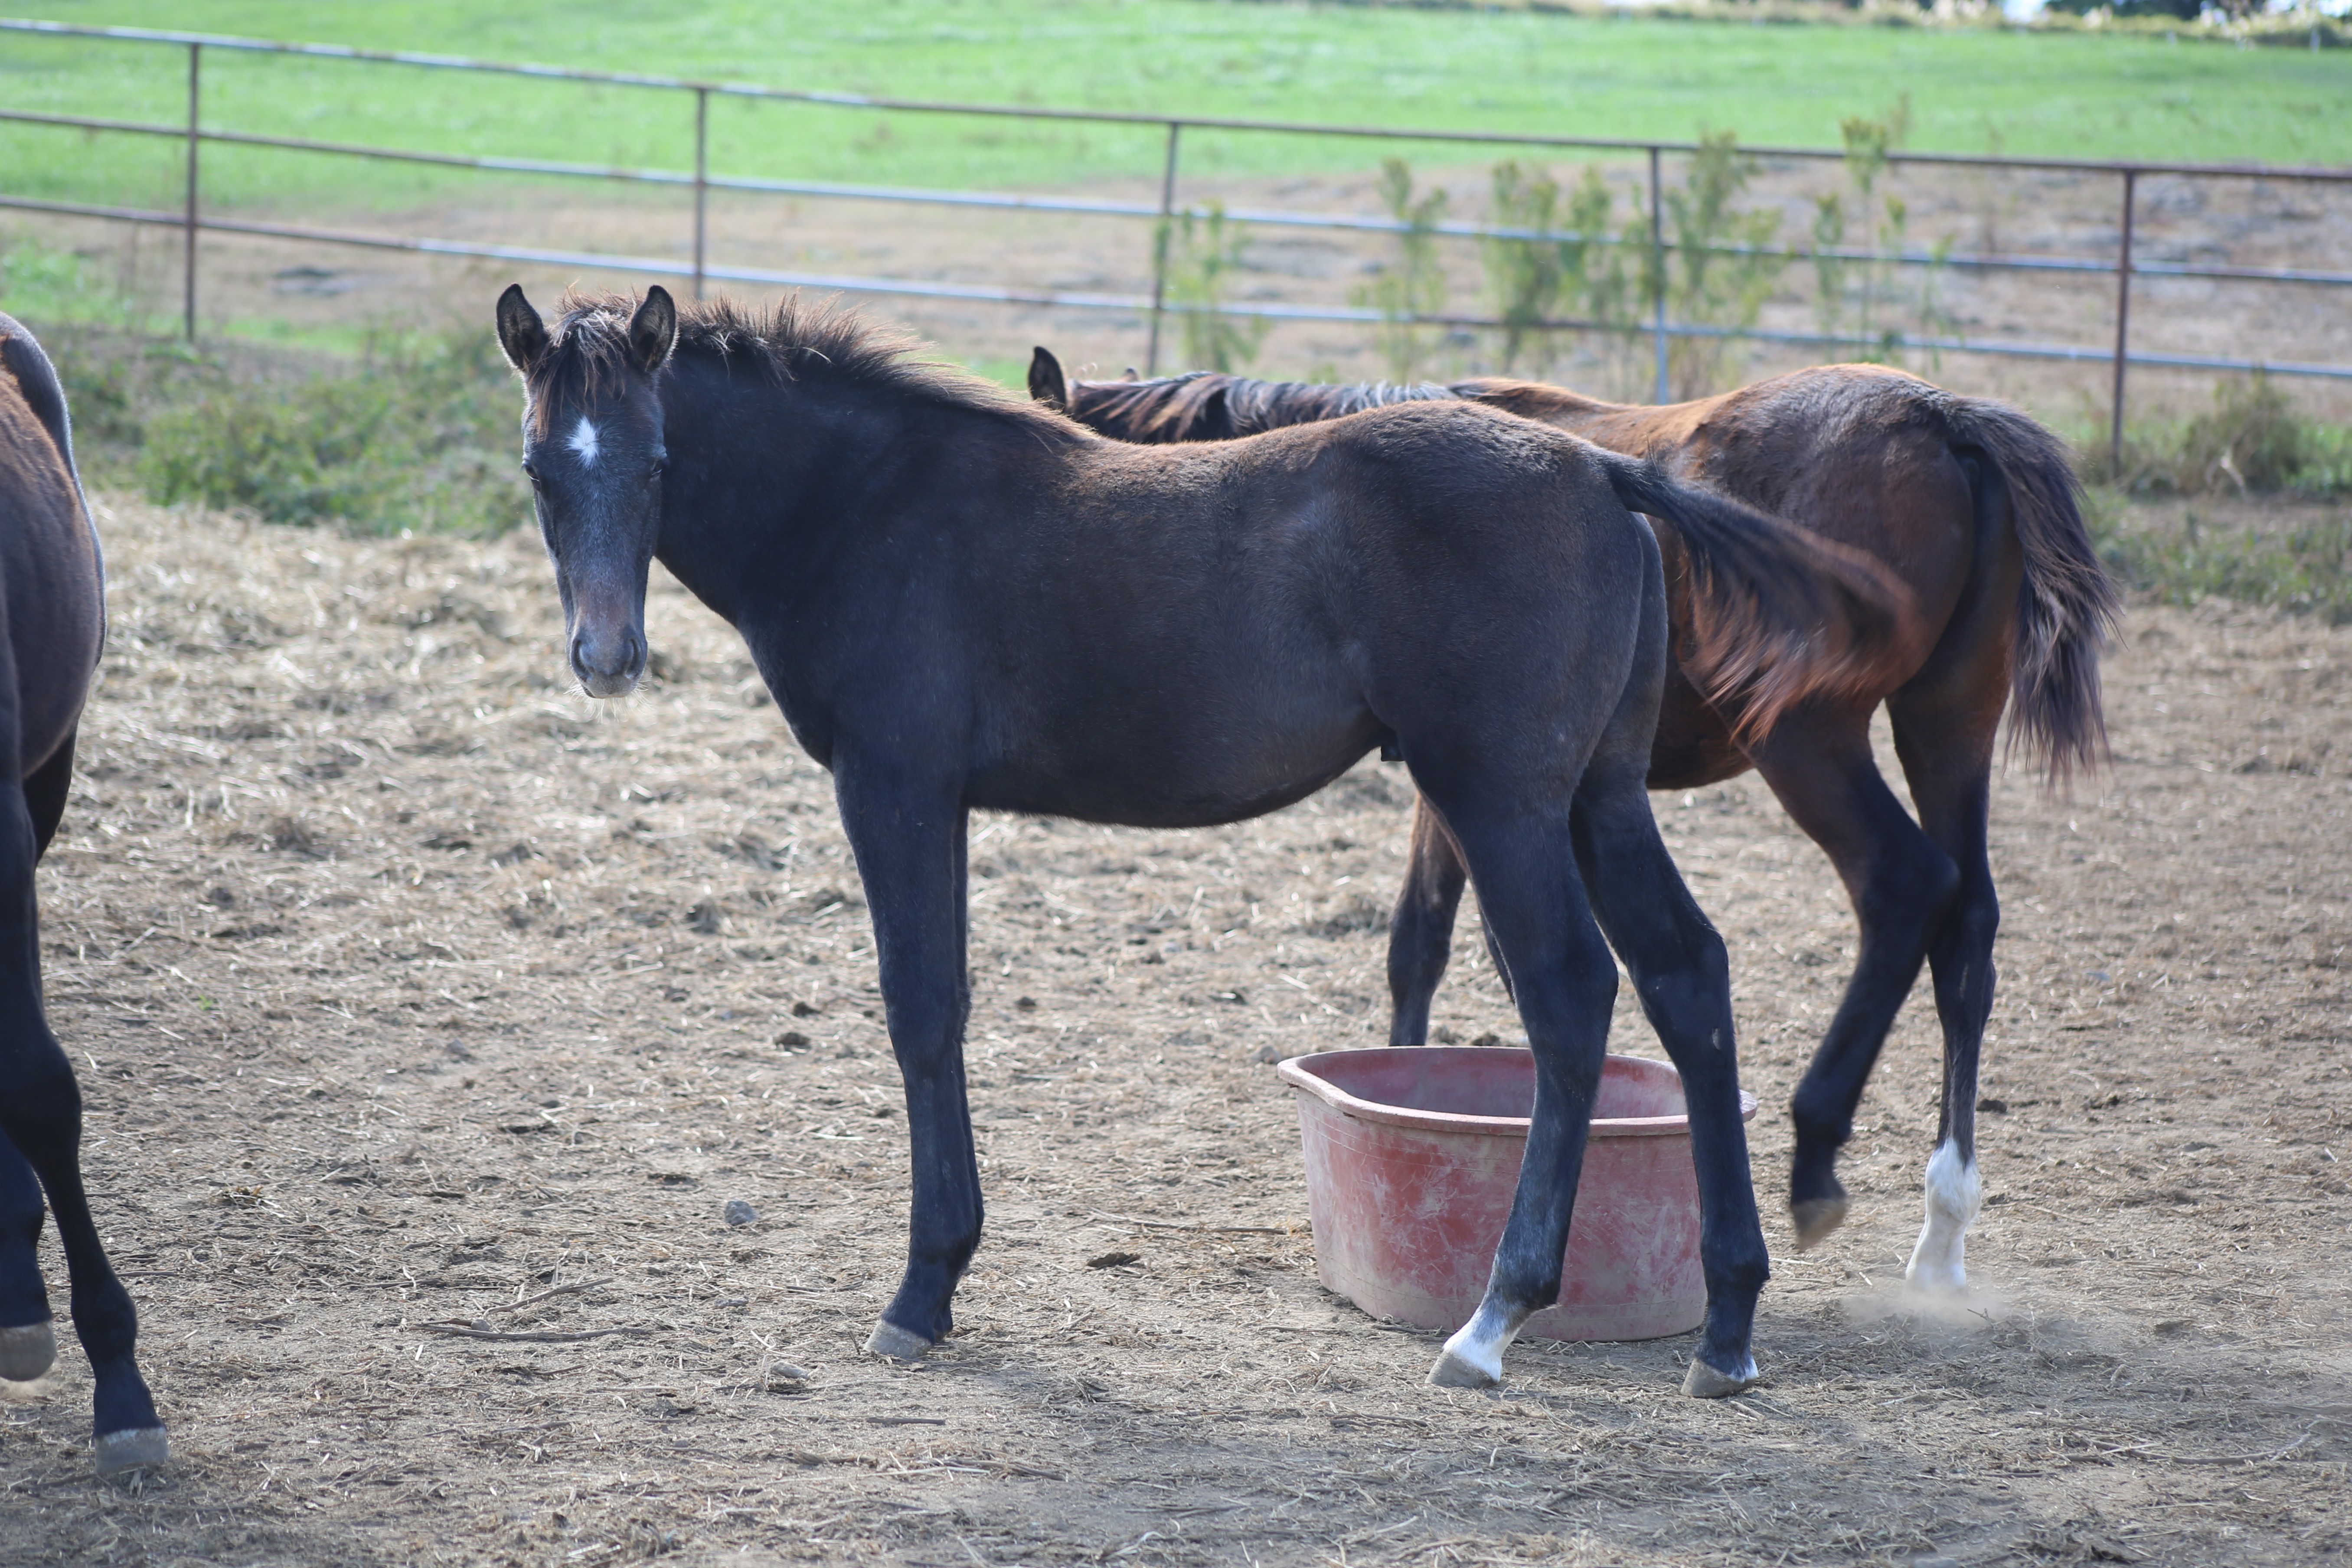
608,666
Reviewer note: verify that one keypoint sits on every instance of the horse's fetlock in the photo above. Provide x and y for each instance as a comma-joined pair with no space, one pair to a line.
1821,1122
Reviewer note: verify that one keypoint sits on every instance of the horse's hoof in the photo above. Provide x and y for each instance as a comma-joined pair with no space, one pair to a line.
134,1448
888,1338
1935,1280
26,1352
1704,1382
1454,1371
1815,1219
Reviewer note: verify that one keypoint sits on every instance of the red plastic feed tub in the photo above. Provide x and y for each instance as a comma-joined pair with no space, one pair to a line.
1411,1156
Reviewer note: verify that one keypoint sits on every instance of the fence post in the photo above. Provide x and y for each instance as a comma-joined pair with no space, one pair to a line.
1160,248
1658,268
2123,327
188,218
701,179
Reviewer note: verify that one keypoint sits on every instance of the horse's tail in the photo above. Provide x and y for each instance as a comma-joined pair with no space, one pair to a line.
1776,615
2066,603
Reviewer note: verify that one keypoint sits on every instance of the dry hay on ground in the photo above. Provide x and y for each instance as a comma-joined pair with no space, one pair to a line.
406,984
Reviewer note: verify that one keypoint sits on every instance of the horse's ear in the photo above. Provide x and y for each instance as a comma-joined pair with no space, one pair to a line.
521,334
1047,384
1131,374
652,330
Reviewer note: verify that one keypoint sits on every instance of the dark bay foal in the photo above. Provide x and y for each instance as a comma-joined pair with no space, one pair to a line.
963,601
51,592
1972,504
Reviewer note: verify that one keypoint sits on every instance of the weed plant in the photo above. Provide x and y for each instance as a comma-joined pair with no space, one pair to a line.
2305,568
417,435
1413,287
1718,274
2252,440
1200,253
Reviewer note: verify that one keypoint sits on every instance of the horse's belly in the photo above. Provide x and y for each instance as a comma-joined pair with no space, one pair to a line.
1190,771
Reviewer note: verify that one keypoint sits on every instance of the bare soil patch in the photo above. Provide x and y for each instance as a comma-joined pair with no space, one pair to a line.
407,987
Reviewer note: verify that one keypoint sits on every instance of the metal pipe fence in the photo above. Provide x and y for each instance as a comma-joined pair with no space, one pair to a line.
193,221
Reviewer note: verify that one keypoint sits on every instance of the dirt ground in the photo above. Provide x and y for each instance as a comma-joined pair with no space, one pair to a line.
407,987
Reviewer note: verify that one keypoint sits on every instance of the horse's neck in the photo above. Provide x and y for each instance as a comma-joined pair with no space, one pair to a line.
771,477
746,457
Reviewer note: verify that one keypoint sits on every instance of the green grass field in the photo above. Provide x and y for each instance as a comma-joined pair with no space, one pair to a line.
1971,90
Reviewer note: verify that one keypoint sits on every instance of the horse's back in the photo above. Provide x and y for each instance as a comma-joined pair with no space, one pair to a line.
51,586
1209,616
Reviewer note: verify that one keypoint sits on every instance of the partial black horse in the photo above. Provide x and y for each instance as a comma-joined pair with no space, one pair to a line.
52,594
1972,504
963,601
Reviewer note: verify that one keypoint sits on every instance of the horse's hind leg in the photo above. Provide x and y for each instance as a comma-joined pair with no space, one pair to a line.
28,1344
1682,980
40,1113
1947,752
1819,764
1421,931
1524,851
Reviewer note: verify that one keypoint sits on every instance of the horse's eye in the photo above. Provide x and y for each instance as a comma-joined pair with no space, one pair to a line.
658,468
531,470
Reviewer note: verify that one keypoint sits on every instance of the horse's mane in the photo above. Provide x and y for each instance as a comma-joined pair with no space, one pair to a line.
1210,405
794,340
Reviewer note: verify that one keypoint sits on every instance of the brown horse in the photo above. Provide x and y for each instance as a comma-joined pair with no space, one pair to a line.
1973,505
54,603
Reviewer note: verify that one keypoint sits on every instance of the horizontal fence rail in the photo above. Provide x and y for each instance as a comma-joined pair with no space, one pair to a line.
1014,201
2124,268
660,266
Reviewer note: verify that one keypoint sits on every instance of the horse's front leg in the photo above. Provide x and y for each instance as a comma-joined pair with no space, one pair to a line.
908,836
1535,903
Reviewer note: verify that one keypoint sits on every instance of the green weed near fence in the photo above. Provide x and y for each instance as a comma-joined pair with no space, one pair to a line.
2251,442
412,432
419,435
2307,567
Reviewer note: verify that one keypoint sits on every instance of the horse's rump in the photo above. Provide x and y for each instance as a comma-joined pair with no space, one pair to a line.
52,606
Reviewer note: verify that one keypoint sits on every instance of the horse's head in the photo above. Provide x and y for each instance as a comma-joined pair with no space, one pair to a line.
592,443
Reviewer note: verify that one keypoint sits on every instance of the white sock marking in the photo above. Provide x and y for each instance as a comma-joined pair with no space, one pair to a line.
583,442
1480,1342
1955,1193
